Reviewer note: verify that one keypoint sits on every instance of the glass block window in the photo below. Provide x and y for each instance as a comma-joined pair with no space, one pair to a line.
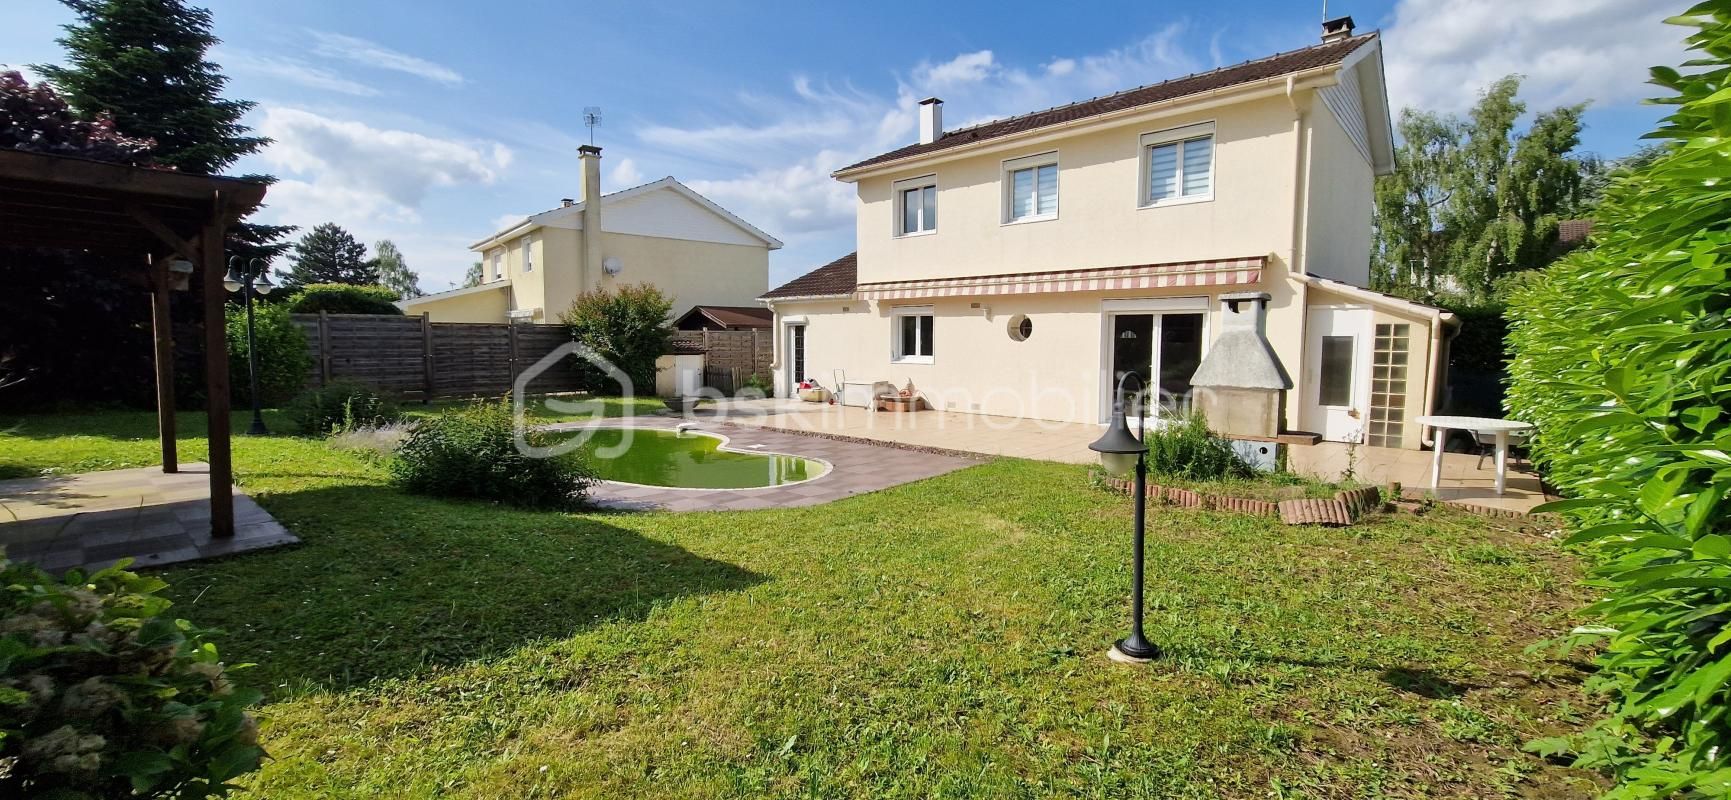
1388,385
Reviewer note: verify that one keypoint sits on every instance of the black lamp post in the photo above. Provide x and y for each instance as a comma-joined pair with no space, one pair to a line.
248,277
1122,451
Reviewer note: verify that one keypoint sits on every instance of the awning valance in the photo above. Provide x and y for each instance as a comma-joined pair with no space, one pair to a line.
1224,272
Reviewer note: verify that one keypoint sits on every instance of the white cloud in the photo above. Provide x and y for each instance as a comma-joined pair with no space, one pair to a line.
372,181
397,165
624,175
372,54
963,69
293,71
1441,54
1061,67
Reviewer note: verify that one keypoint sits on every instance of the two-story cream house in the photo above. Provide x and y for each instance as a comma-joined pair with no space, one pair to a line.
660,233
1021,266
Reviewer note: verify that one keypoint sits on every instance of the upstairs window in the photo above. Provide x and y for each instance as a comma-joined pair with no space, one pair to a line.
1178,165
528,255
916,206
1031,188
498,264
912,332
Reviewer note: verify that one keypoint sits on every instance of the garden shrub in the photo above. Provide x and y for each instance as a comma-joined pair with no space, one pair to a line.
344,298
104,694
283,359
471,451
1185,448
340,406
1622,358
630,327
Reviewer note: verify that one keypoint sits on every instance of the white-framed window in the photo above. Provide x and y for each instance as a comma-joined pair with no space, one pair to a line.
498,264
916,205
1031,188
1178,165
911,334
528,254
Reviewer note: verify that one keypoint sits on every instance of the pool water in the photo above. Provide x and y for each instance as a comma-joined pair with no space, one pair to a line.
688,460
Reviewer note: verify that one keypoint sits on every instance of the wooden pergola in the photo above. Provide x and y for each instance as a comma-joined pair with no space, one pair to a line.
145,220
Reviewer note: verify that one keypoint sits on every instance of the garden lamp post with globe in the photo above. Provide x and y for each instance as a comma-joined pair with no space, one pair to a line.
247,276
1122,451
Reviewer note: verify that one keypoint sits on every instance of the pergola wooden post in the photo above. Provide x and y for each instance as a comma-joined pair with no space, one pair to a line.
126,214
162,334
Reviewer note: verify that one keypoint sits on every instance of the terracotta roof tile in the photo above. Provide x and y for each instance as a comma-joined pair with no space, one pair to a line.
1312,57
838,277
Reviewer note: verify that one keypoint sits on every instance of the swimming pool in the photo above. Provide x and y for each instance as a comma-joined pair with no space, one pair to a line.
688,460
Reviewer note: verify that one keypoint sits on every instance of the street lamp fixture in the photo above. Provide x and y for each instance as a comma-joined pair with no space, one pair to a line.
1121,451
247,276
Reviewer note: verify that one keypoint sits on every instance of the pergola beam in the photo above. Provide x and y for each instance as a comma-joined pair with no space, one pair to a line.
187,250
216,371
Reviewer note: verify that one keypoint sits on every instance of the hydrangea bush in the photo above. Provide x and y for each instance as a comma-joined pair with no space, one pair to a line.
103,694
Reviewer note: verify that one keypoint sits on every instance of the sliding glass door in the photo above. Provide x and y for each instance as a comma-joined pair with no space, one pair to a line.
1163,349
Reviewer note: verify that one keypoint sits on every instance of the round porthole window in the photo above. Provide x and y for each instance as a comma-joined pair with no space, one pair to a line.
1021,327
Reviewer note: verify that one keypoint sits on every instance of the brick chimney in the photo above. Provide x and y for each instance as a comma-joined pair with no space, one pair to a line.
1337,29
589,157
931,120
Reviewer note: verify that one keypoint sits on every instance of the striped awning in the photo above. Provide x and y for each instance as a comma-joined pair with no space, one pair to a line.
1227,272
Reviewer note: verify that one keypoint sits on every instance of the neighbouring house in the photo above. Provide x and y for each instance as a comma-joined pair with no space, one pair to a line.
1211,234
660,233
725,318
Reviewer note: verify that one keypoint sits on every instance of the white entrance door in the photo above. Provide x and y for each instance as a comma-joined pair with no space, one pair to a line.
1336,391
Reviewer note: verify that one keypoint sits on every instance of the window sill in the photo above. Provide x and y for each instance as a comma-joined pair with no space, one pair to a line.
1179,201
915,234
911,360
1026,220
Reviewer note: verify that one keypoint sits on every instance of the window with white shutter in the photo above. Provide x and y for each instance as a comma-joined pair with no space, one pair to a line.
1178,165
1031,188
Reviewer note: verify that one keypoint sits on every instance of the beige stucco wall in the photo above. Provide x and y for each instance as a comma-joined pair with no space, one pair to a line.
1338,208
688,272
1099,222
485,306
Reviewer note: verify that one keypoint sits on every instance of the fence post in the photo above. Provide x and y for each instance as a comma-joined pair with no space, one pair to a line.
427,355
324,349
511,330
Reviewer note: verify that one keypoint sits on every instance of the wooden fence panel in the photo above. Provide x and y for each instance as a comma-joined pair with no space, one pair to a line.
734,355
415,358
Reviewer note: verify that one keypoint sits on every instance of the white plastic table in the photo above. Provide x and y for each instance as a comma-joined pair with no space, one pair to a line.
1500,427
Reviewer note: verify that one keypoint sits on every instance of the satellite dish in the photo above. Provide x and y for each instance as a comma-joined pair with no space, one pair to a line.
612,265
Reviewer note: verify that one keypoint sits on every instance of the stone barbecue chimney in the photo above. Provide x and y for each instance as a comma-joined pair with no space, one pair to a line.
1239,385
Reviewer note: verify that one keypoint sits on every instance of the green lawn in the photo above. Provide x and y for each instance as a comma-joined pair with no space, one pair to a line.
942,639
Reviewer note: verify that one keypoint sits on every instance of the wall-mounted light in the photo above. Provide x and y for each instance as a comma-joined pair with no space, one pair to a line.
612,265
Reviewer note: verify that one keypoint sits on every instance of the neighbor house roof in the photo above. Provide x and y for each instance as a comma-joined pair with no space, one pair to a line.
1316,56
731,317
835,279
668,183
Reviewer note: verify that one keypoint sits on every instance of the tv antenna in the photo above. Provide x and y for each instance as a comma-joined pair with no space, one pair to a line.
591,118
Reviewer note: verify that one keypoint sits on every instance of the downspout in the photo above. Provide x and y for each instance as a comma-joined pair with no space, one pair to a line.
1433,372
1291,413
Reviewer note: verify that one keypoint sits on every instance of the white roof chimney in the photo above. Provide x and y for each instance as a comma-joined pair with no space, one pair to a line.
931,120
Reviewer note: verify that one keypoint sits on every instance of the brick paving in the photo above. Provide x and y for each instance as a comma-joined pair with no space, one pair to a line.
855,468
93,519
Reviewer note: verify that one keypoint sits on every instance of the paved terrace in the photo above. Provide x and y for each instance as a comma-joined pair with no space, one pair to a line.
1463,481
93,519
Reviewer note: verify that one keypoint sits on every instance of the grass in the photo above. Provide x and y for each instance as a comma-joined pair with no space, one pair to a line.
941,639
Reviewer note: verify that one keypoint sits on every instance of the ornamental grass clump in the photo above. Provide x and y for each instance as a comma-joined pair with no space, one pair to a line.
1621,355
103,694
472,451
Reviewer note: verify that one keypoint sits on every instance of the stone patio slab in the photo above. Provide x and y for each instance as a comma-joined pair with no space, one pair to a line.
93,519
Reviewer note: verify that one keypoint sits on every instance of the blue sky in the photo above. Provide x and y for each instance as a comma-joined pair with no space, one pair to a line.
432,124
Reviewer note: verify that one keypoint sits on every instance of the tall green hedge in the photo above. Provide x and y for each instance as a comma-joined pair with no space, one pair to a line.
283,359
1622,356
343,298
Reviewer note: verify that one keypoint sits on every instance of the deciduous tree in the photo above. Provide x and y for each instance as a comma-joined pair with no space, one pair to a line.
394,272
